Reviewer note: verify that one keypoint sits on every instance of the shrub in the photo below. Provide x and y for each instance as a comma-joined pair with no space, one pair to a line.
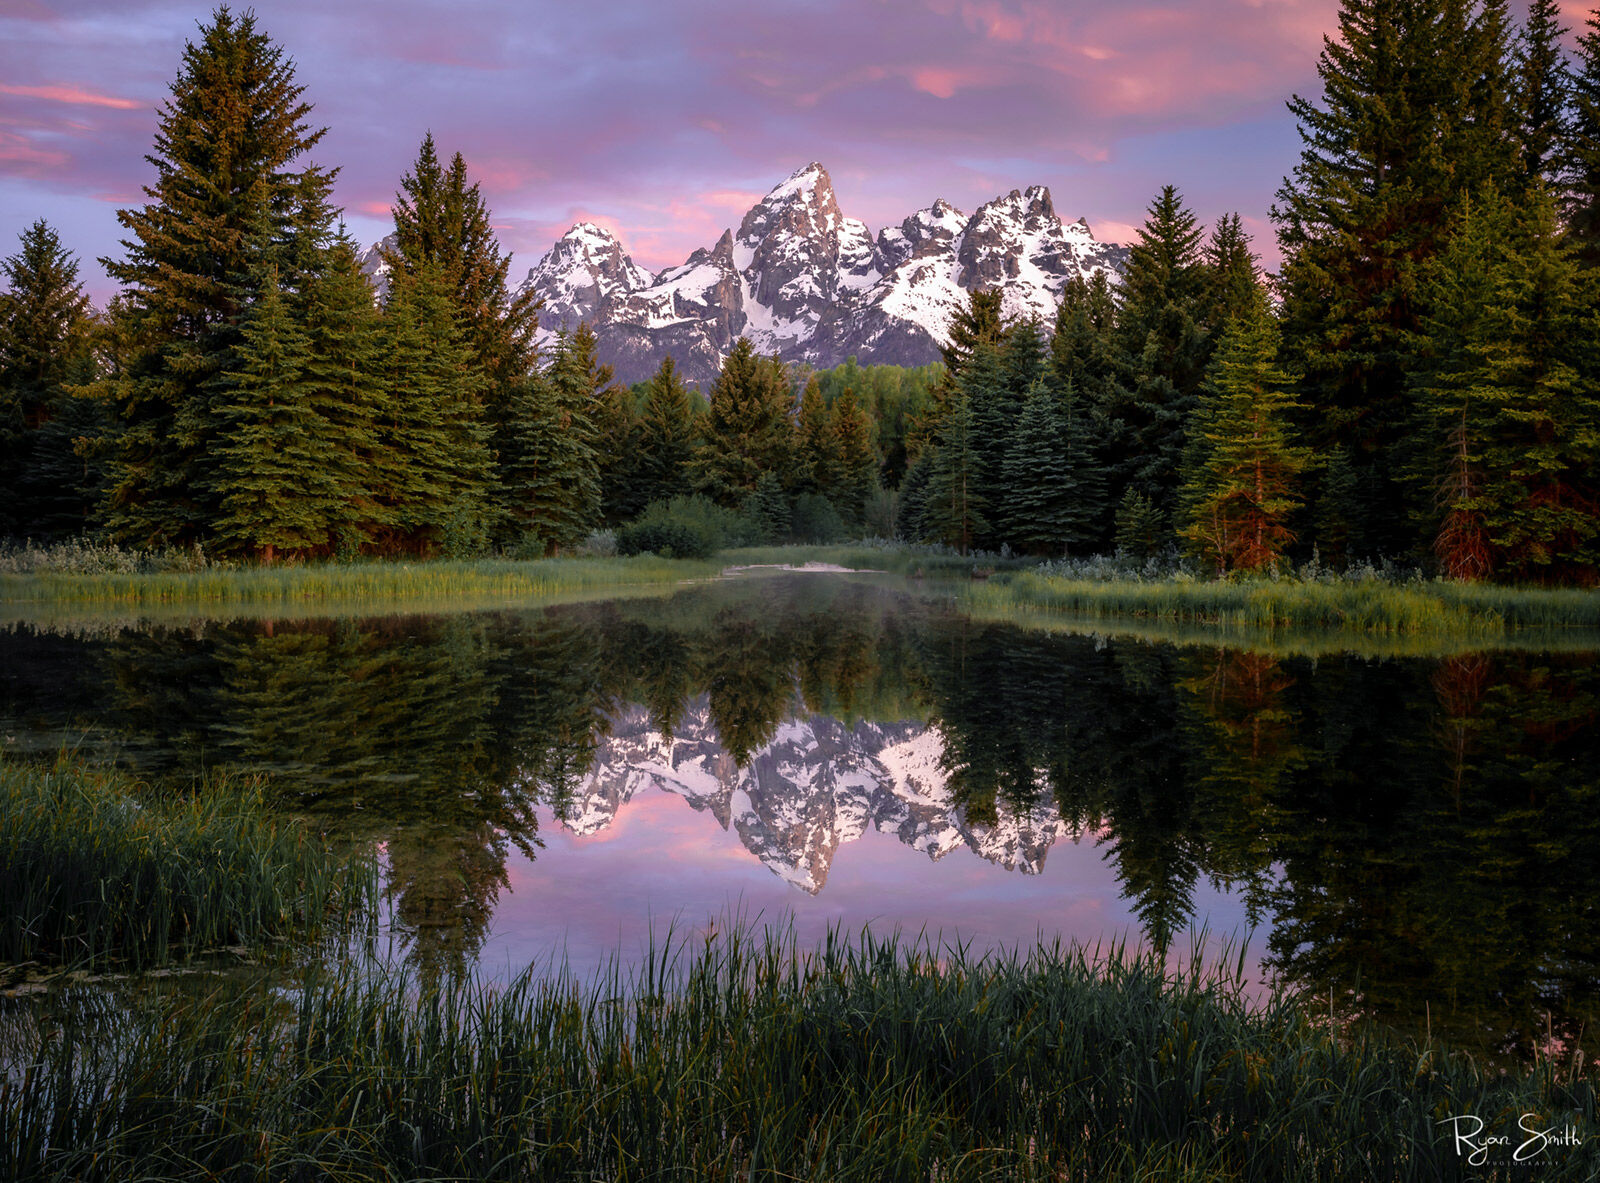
673,540
815,521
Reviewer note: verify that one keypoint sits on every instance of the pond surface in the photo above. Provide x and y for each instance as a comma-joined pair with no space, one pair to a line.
1417,838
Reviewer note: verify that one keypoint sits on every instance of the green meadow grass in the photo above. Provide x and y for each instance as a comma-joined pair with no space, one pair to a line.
435,581
95,873
747,1059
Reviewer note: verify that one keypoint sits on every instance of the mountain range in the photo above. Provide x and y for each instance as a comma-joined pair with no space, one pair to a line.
805,282
814,785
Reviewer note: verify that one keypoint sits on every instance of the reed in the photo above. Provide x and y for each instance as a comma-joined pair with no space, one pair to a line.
96,874
1372,607
288,586
747,1059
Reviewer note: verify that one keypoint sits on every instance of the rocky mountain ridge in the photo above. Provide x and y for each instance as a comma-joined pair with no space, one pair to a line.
814,786
805,282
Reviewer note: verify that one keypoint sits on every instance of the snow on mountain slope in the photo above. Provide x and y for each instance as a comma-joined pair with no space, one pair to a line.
812,787
804,281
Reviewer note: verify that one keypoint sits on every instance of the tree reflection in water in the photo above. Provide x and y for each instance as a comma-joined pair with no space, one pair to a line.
1421,836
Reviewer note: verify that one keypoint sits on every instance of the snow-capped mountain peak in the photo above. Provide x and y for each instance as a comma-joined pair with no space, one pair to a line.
802,280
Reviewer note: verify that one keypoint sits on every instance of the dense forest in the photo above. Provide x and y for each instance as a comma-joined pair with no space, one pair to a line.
1420,380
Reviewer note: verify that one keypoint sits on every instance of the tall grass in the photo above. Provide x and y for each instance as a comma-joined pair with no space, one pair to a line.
860,1060
93,874
435,581
1438,607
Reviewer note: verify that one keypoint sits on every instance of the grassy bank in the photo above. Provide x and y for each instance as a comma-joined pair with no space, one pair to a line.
95,873
858,1061
1373,607
436,581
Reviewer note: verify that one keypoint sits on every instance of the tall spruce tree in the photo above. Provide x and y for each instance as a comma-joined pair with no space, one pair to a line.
343,374
748,430
955,504
440,219
45,352
1414,111
225,191
813,458
1242,479
276,491
442,470
1160,324
1541,92
852,470
1038,489
666,435
1580,147
1511,405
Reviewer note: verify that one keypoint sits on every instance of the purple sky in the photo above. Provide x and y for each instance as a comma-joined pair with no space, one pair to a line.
666,119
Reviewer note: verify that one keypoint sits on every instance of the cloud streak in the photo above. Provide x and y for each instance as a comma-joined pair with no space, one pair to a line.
667,121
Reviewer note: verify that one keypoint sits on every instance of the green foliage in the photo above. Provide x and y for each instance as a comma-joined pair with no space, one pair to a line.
46,486
1579,175
99,873
816,521
225,192
1242,478
667,433
1540,96
749,429
768,510
694,521
1511,406
1142,529
710,1062
955,503
896,400
1054,487
1161,328
435,432
1414,112
272,471
441,222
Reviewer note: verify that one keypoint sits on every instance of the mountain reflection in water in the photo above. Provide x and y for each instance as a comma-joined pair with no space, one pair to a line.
1418,837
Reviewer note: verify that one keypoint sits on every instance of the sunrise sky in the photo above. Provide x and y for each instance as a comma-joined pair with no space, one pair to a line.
666,119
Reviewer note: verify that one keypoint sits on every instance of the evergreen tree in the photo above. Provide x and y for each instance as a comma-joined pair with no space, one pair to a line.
748,429
813,443
1541,93
343,377
276,491
853,459
618,435
578,380
1233,281
44,352
440,498
1242,481
441,220
666,436
979,323
955,504
224,193
1512,403
1580,144
768,509
1414,111
913,500
1142,529
1161,331
1037,488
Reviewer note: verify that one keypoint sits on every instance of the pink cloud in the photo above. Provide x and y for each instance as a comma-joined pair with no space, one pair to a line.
71,94
20,154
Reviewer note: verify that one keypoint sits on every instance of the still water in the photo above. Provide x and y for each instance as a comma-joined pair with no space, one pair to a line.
1416,838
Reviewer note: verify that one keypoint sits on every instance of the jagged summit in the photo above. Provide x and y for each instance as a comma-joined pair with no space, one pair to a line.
802,280
816,785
